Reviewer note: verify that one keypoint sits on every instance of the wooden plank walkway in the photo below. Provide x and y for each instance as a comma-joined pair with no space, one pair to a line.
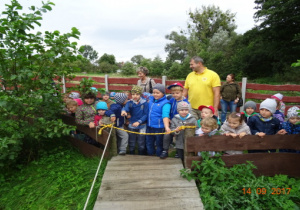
145,182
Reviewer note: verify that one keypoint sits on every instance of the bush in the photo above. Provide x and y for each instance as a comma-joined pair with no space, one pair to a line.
228,188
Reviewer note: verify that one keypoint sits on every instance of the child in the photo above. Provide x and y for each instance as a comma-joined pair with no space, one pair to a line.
85,115
278,114
292,126
250,108
182,118
264,123
158,119
278,97
206,112
177,93
208,126
115,115
112,96
100,119
71,106
137,107
235,126
105,98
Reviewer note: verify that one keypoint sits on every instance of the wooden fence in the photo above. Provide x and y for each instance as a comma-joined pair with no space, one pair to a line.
88,149
267,164
125,84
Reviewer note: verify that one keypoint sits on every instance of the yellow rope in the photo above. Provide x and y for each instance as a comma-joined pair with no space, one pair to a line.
111,126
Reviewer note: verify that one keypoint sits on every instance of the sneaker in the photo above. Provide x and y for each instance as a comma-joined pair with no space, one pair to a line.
164,154
122,153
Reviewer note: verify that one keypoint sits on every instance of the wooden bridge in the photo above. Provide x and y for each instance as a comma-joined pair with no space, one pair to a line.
146,182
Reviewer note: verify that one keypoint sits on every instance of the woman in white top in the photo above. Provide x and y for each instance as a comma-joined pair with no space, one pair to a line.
145,82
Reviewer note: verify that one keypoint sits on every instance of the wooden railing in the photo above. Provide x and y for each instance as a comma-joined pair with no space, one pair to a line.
125,84
88,149
267,164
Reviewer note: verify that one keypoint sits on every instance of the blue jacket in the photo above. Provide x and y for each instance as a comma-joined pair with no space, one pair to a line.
279,115
138,112
155,119
257,124
290,128
174,103
115,110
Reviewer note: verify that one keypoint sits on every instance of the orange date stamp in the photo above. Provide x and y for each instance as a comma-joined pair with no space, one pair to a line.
264,191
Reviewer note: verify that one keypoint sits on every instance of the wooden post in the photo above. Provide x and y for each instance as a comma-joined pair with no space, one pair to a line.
113,143
244,84
188,132
64,84
163,80
106,82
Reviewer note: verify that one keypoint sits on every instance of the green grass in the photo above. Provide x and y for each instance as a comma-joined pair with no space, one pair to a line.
60,179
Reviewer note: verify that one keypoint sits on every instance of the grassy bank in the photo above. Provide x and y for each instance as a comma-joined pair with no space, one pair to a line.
60,179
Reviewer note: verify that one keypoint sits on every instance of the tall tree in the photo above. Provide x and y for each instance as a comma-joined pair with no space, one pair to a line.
88,52
208,20
107,58
177,48
279,29
137,59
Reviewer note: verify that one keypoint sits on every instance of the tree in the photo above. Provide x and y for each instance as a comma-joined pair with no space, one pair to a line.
177,49
207,21
279,31
88,52
137,59
157,66
128,69
31,103
106,67
107,58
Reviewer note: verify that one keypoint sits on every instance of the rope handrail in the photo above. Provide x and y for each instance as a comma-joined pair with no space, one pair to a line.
112,126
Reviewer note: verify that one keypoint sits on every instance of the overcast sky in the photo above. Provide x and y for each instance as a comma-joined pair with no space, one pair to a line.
126,28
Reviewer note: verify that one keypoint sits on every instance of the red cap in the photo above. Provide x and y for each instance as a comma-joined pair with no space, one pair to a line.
209,107
175,84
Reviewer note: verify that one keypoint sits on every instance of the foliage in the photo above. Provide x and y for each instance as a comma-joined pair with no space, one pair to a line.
29,61
128,69
222,188
177,48
60,179
157,66
107,59
137,59
88,52
106,67
208,20
296,64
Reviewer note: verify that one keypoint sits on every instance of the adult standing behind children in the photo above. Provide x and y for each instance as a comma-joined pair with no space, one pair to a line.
202,86
145,82
230,95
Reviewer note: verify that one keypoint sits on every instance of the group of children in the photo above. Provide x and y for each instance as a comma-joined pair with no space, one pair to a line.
162,119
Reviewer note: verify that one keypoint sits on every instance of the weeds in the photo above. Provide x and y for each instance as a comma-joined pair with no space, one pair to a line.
226,188
60,179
